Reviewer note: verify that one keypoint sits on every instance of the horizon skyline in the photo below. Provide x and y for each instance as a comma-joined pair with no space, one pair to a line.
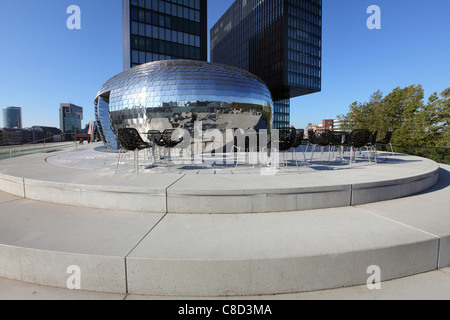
406,51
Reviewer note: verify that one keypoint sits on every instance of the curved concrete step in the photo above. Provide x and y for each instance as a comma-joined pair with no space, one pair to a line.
224,255
33,178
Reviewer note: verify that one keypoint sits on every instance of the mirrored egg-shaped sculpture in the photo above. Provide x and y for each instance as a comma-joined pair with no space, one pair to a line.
175,94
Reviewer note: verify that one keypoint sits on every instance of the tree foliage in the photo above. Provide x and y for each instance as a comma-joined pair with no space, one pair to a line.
415,123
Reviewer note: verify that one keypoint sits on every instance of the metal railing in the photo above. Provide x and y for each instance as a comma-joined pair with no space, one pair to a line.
41,146
438,154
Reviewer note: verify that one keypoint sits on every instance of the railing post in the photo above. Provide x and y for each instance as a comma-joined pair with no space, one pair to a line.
10,151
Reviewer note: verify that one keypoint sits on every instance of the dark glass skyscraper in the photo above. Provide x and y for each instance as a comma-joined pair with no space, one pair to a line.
156,30
12,118
280,41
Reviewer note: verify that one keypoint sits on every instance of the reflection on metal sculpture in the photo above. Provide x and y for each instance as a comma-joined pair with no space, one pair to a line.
177,93
105,127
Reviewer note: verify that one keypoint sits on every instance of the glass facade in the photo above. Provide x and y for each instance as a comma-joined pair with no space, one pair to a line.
164,30
304,43
282,113
12,118
176,93
70,118
277,40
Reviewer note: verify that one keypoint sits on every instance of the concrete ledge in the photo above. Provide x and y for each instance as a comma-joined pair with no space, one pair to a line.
263,202
99,197
225,255
12,185
394,189
33,178
274,253
49,268
444,252
214,278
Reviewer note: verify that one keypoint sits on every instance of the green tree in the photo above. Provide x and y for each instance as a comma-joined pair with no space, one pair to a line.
397,113
443,119
404,112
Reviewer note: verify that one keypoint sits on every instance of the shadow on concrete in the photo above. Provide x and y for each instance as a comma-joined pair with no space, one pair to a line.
105,150
443,183
193,168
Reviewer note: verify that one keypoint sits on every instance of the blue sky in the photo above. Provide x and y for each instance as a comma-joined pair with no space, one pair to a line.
42,63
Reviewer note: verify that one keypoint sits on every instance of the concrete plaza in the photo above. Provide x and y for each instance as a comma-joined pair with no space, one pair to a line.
395,216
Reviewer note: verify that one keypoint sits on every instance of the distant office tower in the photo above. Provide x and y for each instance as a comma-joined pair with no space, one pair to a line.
70,117
156,30
12,118
280,41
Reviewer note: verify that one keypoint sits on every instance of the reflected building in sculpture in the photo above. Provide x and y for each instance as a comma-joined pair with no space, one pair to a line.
175,94
280,41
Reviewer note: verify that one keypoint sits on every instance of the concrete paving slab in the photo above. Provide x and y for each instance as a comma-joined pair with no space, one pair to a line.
253,184
39,241
431,208
428,211
274,253
16,290
401,176
427,286
400,167
35,168
237,193
6,197
445,270
55,227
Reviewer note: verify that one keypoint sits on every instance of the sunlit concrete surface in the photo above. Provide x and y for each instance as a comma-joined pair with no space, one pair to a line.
287,253
433,285
63,178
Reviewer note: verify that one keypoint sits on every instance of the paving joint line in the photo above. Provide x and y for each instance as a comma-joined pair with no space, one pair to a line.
167,190
438,238
398,222
9,201
134,247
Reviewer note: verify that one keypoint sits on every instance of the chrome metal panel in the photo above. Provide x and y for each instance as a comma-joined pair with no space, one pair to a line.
106,129
175,93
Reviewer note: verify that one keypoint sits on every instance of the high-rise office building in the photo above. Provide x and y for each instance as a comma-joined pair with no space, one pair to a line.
70,117
280,41
156,30
12,118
